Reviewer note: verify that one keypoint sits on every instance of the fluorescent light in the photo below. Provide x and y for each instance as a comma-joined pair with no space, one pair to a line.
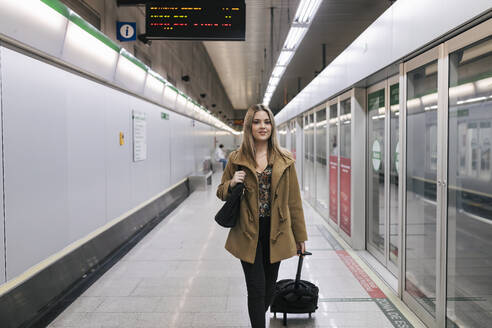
471,100
484,84
463,90
128,70
169,97
278,71
154,84
34,11
306,11
413,103
429,99
274,81
294,37
78,41
284,58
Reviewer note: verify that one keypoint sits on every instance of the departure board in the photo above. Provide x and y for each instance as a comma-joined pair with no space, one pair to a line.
196,20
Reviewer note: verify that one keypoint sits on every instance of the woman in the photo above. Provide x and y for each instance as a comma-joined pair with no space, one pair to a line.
271,225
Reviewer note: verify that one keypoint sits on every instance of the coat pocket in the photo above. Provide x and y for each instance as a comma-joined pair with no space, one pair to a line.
283,214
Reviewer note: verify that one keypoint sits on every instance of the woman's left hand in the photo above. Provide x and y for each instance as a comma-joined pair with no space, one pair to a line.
301,247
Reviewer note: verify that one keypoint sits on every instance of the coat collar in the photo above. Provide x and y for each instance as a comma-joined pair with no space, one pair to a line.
279,166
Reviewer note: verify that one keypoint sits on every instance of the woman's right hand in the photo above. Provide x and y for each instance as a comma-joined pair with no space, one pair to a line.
237,178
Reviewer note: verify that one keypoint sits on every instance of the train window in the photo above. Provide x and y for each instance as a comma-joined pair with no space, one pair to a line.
485,138
473,149
432,146
462,148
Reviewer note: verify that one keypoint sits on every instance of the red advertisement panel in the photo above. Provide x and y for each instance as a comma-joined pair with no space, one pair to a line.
333,188
345,172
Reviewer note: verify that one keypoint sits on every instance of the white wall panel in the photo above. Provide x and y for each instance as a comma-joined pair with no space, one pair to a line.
153,161
86,155
66,173
204,144
36,177
164,128
182,142
229,141
141,170
2,218
118,158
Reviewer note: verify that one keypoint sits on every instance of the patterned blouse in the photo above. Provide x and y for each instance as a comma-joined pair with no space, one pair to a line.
264,180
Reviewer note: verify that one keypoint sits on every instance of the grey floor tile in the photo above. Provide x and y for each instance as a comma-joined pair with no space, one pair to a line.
129,304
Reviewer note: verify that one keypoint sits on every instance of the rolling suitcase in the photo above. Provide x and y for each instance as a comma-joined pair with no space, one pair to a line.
295,296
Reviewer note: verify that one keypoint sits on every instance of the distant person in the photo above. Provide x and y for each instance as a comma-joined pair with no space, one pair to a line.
271,201
220,156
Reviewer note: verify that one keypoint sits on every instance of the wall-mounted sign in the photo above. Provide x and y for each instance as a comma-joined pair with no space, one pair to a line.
345,195
196,20
376,155
139,136
126,31
164,116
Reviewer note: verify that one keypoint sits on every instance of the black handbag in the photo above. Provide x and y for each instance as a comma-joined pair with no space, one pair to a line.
229,213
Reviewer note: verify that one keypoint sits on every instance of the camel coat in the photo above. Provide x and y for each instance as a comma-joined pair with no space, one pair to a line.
287,217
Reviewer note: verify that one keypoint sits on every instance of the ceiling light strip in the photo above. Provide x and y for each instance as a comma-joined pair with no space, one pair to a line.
304,16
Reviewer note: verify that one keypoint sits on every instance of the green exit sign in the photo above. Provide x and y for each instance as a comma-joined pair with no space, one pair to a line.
164,116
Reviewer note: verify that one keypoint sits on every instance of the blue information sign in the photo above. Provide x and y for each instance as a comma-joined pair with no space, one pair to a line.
126,31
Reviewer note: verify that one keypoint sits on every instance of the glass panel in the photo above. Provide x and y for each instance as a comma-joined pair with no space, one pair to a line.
469,283
375,169
345,165
333,149
282,133
420,275
321,171
312,184
293,138
394,219
306,155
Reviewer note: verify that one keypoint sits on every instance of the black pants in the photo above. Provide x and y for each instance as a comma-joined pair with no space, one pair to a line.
261,277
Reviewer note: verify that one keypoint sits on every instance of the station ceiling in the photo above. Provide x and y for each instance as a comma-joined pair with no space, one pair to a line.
245,67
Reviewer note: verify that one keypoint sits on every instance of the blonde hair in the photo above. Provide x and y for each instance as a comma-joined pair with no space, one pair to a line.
247,148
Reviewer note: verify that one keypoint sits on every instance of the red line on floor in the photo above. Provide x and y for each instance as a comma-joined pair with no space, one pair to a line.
366,282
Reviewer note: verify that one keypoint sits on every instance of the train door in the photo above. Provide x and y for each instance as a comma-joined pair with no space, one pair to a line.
383,237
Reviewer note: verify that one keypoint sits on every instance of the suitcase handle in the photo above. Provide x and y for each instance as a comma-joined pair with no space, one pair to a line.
299,266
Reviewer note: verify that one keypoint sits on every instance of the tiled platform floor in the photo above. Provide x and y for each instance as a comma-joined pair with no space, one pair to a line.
180,275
